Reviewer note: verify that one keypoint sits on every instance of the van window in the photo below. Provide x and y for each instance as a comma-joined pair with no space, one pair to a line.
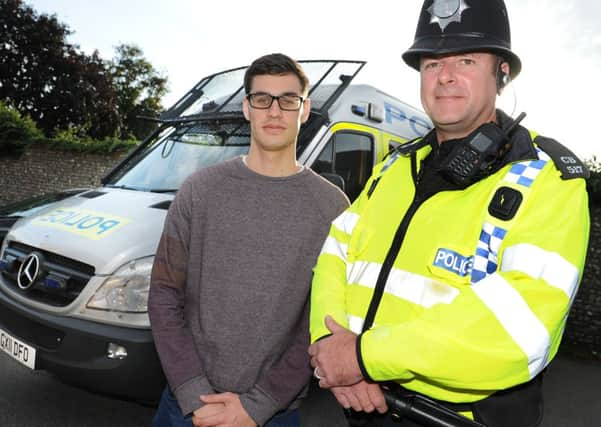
350,155
164,165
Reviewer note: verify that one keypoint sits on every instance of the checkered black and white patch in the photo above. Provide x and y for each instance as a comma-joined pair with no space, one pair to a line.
486,257
524,173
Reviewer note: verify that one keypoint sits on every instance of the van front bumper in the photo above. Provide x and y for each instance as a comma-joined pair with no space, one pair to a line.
78,351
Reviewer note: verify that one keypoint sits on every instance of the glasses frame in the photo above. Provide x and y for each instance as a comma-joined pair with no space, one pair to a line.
273,98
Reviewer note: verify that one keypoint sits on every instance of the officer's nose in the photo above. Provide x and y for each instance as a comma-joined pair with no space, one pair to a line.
446,73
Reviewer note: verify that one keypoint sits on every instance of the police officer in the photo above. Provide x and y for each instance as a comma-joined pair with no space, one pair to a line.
452,275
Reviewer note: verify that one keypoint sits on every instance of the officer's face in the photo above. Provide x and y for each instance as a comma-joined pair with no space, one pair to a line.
458,92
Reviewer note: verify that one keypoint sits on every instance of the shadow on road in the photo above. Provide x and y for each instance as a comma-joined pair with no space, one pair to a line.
572,390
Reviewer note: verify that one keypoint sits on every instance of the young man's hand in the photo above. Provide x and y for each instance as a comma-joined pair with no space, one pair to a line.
222,410
208,410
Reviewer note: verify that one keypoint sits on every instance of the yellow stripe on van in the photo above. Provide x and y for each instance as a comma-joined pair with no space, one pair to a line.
85,223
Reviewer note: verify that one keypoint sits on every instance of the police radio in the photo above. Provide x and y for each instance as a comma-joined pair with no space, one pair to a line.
467,163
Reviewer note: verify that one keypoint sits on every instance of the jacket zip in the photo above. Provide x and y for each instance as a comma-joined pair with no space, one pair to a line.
395,247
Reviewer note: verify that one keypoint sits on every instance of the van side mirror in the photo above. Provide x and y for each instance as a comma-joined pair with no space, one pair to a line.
335,179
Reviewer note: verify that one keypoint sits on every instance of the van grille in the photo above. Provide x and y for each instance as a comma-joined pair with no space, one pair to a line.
71,275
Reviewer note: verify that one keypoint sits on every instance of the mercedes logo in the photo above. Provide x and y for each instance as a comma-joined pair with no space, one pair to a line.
29,271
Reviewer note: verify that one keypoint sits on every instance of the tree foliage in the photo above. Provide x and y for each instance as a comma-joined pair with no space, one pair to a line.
15,131
62,89
139,89
48,79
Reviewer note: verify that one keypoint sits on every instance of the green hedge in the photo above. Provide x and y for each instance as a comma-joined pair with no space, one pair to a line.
16,132
103,146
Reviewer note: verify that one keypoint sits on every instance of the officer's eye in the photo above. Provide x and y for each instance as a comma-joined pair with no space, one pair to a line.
430,65
466,61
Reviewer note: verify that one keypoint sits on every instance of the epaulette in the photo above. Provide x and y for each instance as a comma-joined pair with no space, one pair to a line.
567,162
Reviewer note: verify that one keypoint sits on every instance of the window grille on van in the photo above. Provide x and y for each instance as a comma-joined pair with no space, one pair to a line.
223,93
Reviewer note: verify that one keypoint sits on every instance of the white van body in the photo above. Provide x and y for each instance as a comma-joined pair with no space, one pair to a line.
74,273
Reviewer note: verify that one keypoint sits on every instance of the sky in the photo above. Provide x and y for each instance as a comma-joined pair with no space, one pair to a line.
559,43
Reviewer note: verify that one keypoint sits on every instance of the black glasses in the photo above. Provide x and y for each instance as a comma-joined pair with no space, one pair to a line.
263,101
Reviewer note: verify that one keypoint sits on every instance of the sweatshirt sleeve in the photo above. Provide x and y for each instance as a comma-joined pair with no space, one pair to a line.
172,335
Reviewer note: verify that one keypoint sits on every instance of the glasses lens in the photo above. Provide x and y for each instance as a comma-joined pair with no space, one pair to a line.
260,100
289,102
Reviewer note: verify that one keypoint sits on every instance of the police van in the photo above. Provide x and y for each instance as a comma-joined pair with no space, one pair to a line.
74,272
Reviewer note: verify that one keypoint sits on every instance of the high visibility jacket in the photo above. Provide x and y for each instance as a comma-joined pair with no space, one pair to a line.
474,303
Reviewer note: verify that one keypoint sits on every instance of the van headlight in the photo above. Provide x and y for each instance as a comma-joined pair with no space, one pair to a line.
126,290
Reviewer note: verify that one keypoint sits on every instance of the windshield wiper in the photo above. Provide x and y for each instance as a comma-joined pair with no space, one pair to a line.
152,190
199,117
125,187
163,190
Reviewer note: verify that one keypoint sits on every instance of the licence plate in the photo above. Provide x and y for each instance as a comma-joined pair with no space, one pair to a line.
17,349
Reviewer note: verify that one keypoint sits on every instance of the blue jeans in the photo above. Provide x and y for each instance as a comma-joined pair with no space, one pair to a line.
169,414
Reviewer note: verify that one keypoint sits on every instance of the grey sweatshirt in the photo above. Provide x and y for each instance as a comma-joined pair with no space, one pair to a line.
230,283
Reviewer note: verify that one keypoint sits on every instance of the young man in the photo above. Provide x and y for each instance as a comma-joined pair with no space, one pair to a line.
229,290
452,275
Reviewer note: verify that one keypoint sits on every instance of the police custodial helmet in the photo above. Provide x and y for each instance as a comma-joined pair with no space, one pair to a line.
456,26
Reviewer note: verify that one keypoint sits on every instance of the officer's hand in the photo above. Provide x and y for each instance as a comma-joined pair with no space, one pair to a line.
362,396
334,358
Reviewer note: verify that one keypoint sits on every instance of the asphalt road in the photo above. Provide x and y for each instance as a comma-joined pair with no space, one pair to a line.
34,398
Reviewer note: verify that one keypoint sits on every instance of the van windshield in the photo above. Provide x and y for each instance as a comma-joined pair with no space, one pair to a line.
180,151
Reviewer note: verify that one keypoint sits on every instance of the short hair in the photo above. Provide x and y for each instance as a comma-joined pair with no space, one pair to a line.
275,64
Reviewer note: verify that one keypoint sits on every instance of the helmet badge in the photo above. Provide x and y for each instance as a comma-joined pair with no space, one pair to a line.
443,12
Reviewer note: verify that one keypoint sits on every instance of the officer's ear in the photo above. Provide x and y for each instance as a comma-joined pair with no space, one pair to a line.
503,77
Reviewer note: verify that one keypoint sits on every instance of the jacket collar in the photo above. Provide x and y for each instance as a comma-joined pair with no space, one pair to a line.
522,146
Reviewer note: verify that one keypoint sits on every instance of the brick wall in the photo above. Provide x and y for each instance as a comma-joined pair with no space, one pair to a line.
41,170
